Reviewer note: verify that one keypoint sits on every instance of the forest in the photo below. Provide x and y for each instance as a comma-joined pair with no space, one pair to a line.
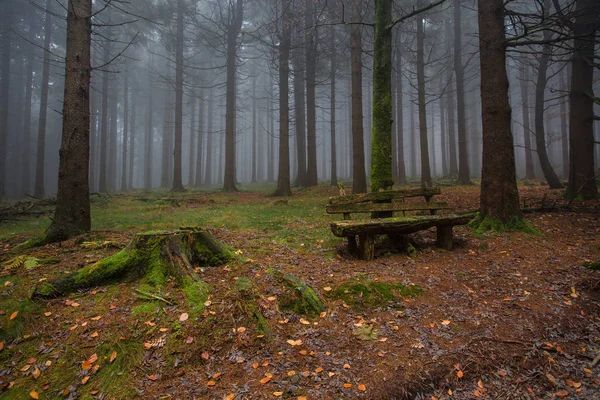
171,171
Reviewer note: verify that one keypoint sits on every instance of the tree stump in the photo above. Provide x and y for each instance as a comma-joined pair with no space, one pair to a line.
151,256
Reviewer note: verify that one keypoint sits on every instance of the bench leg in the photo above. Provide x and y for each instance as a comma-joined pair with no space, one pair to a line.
353,246
399,241
366,246
444,236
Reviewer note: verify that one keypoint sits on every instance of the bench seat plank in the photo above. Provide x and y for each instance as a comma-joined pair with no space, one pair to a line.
396,225
373,207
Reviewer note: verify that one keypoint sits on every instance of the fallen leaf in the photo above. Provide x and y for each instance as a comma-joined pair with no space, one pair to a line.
86,365
153,377
34,395
480,384
255,365
294,342
75,304
93,358
327,289
302,398
183,317
347,385
573,384
13,316
459,374
230,396
1,346
113,355
346,366
189,340
502,372
211,383
163,330
446,322
207,303
36,373
331,374
574,293
265,363
205,356
304,322
112,307
95,334
241,329
562,393
25,368
319,370
85,380
277,394
267,378
217,375
48,363
96,318
149,323
94,391
47,313
361,387
272,298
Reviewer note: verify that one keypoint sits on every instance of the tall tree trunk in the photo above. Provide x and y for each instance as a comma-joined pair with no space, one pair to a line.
299,67
283,177
524,85
442,103
125,132
209,141
464,176
5,42
271,140
540,89
200,140
177,153
166,136
453,164
400,120
311,44
111,180
39,188
103,169
333,70
192,159
253,178
499,195
235,24
26,147
564,132
132,140
582,176
72,215
425,168
93,140
359,177
149,137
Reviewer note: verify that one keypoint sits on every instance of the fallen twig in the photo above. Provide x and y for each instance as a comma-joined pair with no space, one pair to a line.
153,296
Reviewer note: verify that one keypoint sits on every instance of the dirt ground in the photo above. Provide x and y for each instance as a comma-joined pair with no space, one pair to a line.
502,316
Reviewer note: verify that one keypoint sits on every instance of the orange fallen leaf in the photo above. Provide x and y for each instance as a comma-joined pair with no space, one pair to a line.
113,355
502,372
112,307
327,289
95,334
265,363
13,316
47,313
94,391
302,398
319,370
36,373
205,355
241,329
149,323
267,378
304,322
96,318
446,322
217,375
189,340
346,366
93,358
294,342
147,345
459,374
211,383
34,395
361,387
48,363
255,365
562,393
347,385
183,317
153,377
277,394
25,368
75,304
86,365
163,330
1,346
85,380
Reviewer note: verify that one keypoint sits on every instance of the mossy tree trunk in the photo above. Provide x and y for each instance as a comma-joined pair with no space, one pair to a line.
152,256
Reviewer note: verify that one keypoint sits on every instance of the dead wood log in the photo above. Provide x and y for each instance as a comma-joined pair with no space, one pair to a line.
152,256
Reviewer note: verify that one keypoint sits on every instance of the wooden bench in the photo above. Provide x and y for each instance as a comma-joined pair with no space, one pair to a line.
383,206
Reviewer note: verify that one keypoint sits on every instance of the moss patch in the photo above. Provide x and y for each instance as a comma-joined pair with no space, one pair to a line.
299,297
593,265
197,294
487,224
362,291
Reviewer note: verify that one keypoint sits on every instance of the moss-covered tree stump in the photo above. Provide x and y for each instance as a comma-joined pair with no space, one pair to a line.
151,256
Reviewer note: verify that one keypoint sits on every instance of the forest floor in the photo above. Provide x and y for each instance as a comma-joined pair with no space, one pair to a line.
502,316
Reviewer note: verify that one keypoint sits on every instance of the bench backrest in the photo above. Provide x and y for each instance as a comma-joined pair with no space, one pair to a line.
387,201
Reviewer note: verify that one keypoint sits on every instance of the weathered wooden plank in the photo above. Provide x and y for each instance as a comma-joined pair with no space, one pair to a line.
387,195
396,225
372,207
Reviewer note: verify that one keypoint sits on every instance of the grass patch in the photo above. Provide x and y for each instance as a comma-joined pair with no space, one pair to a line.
362,291
481,225
197,294
593,265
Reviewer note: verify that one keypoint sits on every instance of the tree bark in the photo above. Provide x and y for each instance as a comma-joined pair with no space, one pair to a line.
5,72
359,177
299,66
332,100
524,85
564,117
464,176
72,215
39,188
253,178
192,158
177,153
200,140
125,132
442,104
425,167
499,195
233,30
209,140
166,134
283,178
400,120
149,137
582,176
540,89
103,168
311,43
132,140
453,164
26,147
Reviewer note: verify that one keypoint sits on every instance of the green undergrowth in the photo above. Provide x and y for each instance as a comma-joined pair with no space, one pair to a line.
593,265
481,225
297,297
197,294
363,291
14,298
247,296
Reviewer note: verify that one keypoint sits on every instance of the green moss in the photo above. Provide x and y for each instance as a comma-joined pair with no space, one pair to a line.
35,241
360,291
299,297
244,285
197,294
146,309
487,224
593,265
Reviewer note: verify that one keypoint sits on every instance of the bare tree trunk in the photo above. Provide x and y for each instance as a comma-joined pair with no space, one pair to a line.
453,171
283,177
5,42
311,44
200,140
524,85
103,168
93,140
111,180
192,159
233,30
540,88
425,168
39,188
564,132
442,104
299,67
177,153
271,140
125,132
499,195
149,138
209,140
26,147
400,120
132,139
464,176
166,153
72,215
359,177
332,100
254,139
